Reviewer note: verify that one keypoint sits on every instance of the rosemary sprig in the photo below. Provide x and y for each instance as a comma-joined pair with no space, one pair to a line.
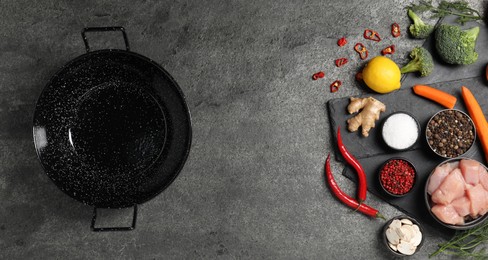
460,9
464,243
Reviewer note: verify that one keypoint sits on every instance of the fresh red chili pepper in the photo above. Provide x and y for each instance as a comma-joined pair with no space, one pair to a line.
372,35
388,50
395,30
334,87
346,199
363,52
341,62
351,160
318,75
342,41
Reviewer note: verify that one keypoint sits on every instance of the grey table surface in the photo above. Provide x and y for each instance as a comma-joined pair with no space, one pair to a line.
253,185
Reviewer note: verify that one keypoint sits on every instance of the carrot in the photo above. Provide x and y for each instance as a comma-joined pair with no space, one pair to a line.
439,96
478,117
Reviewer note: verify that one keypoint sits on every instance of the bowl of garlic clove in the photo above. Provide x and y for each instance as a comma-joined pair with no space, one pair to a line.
403,236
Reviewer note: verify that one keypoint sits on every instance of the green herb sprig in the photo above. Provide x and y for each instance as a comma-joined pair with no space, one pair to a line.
464,243
460,9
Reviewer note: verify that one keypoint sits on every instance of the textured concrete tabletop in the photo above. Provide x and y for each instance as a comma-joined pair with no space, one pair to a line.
253,186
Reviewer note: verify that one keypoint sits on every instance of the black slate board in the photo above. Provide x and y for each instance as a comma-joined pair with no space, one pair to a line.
372,152
421,156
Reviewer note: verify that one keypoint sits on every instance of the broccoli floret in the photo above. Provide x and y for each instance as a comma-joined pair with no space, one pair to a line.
419,29
421,61
456,46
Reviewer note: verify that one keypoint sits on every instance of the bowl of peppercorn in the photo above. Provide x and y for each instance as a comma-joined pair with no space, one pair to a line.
397,176
450,133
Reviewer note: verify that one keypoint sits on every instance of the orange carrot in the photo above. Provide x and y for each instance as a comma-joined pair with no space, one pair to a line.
439,96
478,117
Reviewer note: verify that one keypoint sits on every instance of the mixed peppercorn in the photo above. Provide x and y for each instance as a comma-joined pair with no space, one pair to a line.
450,133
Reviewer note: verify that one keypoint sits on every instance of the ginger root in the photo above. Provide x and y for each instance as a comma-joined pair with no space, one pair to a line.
370,112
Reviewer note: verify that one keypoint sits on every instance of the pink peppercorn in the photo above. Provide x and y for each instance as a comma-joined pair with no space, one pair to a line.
397,176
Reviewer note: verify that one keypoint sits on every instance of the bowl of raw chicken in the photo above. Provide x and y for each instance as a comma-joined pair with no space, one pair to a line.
456,193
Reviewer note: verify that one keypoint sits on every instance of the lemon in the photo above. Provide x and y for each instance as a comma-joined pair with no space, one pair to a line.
382,75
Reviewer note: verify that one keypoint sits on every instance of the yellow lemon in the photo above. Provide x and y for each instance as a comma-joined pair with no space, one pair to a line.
382,75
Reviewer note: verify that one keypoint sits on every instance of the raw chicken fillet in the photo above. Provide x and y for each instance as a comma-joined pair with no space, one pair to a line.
458,191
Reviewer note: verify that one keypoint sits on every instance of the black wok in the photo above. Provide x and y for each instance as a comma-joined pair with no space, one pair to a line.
112,128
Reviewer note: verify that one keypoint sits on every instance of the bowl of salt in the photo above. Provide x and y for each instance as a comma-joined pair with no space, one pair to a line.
400,131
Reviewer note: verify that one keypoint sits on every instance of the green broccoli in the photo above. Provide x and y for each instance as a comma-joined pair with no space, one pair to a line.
419,29
456,46
421,61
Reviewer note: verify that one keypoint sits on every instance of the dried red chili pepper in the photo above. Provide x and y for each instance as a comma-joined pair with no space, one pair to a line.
372,35
395,30
335,86
318,75
342,41
363,52
351,160
388,50
359,76
346,199
341,62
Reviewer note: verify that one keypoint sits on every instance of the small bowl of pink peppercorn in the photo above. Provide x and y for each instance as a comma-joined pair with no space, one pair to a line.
397,176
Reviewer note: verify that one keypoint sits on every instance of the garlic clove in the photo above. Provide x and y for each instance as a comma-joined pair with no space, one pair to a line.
400,232
392,236
408,232
396,224
417,237
406,221
392,246
406,248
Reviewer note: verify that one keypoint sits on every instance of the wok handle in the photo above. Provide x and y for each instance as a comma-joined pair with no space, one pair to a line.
103,29
101,229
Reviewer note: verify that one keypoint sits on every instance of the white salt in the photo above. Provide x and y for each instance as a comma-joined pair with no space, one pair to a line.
400,131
